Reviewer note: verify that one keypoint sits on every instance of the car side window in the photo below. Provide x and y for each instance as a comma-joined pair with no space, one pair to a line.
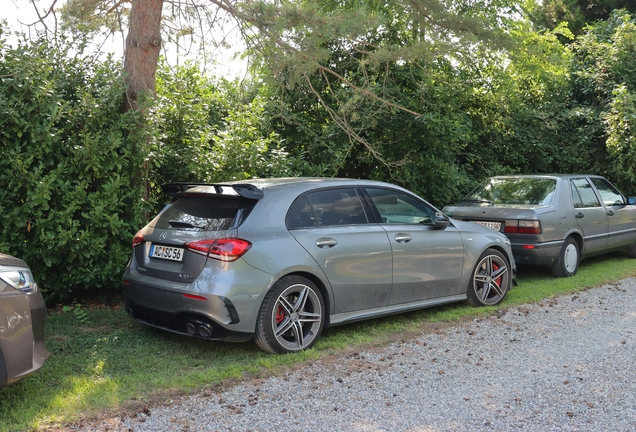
583,194
337,207
397,207
609,194
300,215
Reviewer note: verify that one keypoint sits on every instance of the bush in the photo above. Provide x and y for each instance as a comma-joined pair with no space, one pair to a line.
71,194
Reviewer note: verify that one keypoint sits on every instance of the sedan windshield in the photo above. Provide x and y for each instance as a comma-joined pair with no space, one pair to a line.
514,191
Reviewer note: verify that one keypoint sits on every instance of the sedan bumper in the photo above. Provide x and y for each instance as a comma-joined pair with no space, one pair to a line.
542,254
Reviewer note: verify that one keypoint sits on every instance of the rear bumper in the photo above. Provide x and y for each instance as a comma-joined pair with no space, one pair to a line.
171,311
542,254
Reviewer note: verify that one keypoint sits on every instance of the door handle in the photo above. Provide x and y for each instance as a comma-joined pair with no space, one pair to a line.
403,238
326,242
610,212
579,215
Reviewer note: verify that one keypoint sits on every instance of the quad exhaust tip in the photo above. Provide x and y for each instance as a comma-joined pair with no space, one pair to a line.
199,329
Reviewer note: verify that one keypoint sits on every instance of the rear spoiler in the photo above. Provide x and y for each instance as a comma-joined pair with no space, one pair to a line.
178,190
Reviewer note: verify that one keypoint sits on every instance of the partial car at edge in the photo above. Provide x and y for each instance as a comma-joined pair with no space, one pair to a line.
277,260
22,322
553,220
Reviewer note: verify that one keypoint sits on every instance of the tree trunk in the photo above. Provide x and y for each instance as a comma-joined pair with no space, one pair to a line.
143,45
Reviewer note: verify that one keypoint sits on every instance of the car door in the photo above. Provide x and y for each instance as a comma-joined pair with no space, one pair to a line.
589,215
427,262
621,217
355,255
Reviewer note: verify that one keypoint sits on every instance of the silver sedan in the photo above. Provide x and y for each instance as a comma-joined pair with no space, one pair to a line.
553,220
277,260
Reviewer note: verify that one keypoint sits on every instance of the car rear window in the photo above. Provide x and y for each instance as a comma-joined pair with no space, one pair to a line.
514,191
205,213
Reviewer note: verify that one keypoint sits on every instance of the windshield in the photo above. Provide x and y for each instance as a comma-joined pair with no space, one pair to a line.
514,191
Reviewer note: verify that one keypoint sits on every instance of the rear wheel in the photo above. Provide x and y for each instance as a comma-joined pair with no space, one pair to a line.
490,281
631,252
567,262
291,317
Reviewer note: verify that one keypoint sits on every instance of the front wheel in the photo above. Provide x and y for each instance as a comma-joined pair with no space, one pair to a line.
567,262
490,281
291,317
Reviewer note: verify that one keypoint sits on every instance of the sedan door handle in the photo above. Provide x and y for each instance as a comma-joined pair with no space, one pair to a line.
326,242
579,215
403,238
610,212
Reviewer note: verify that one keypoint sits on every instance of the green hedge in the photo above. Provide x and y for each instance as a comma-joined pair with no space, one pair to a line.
71,172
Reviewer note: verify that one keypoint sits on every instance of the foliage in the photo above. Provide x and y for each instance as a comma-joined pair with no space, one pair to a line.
211,131
71,166
486,114
604,84
577,13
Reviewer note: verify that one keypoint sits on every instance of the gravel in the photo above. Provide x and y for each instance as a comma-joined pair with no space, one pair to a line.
565,364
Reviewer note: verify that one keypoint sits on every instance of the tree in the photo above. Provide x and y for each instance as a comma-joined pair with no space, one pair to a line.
293,40
577,13
143,45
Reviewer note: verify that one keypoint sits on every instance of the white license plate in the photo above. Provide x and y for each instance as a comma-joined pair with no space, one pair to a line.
166,252
492,225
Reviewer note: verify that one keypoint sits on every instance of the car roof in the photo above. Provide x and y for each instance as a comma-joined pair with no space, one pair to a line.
562,176
302,184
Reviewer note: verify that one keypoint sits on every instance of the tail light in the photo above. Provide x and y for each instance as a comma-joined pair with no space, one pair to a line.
225,249
523,227
137,239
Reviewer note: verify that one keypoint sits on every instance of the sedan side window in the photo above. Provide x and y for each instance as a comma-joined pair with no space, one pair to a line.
396,207
609,194
583,194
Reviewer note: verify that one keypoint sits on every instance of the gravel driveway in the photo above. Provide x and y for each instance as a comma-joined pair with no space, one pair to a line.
565,364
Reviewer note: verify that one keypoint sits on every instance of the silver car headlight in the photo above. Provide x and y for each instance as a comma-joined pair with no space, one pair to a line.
19,278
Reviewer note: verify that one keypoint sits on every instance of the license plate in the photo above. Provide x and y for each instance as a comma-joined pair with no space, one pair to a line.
166,252
492,225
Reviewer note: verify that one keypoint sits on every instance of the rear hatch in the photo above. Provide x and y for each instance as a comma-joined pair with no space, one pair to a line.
200,223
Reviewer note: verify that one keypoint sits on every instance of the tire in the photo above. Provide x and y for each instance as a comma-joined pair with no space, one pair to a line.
291,317
631,252
567,263
490,280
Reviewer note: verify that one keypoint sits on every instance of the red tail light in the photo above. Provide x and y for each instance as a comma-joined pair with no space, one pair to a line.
137,239
523,227
225,249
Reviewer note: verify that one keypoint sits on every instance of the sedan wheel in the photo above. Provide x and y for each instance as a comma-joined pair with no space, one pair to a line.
291,318
567,262
490,281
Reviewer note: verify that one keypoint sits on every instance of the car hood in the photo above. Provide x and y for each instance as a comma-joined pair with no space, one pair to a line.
8,260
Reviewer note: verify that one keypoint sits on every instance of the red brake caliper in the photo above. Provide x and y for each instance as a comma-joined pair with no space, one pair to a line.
280,315
495,267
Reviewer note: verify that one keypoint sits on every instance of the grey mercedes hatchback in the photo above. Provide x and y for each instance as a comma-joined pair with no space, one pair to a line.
277,260
22,322
553,220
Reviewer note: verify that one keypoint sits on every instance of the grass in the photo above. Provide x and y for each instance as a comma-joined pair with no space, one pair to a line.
101,360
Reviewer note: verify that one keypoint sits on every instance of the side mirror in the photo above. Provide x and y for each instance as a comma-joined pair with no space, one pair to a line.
441,221
631,200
